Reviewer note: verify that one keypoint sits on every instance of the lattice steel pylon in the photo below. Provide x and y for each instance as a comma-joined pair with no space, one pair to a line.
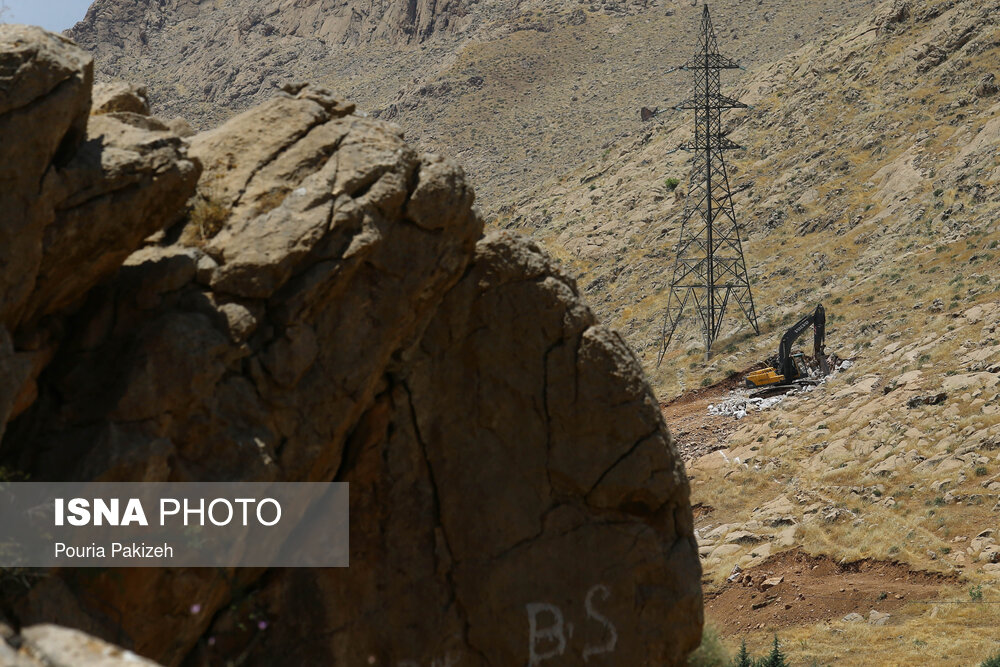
709,268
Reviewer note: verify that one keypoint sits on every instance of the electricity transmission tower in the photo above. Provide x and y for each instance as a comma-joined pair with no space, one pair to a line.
709,269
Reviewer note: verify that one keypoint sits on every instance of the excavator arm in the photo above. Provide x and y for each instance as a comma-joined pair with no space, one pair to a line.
817,320
786,362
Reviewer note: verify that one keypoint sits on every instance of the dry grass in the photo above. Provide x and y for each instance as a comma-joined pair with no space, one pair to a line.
939,633
209,212
207,218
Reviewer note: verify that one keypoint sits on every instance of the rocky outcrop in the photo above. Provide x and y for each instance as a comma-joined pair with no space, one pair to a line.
79,194
323,312
518,506
51,645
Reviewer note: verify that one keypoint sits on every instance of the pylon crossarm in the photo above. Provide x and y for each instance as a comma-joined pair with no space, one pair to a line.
715,62
718,101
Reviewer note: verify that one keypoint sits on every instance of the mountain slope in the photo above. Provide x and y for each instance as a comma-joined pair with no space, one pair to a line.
872,176
518,91
871,173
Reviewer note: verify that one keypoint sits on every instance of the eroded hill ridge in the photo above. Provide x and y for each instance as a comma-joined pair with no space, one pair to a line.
517,91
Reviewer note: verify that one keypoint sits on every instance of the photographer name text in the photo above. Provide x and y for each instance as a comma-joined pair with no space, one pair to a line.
115,550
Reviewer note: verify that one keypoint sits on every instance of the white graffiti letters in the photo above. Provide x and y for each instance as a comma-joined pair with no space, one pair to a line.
548,631
546,635
609,628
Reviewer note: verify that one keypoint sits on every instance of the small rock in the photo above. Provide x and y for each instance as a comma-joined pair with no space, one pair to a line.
986,87
180,127
118,96
771,582
933,399
877,617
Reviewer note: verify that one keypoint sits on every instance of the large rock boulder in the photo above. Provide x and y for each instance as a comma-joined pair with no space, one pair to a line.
44,103
521,503
49,645
323,312
79,192
78,195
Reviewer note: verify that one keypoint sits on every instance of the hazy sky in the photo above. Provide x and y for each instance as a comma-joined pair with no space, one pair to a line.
55,15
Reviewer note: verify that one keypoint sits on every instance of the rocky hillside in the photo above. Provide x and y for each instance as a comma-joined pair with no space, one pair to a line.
870,184
863,512
299,295
518,91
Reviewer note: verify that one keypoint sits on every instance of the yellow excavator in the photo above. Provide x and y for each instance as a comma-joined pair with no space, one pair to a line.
792,366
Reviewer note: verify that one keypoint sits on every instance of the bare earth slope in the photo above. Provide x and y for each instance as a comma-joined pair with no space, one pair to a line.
518,91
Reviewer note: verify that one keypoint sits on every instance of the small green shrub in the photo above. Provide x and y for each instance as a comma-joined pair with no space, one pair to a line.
775,658
992,661
976,593
743,658
672,183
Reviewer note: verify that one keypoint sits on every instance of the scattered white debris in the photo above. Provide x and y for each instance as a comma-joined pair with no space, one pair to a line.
738,404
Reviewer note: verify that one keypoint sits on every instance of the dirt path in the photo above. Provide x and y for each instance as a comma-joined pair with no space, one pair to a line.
815,589
695,431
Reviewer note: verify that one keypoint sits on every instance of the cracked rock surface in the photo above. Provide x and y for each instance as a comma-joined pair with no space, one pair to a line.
78,193
327,310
